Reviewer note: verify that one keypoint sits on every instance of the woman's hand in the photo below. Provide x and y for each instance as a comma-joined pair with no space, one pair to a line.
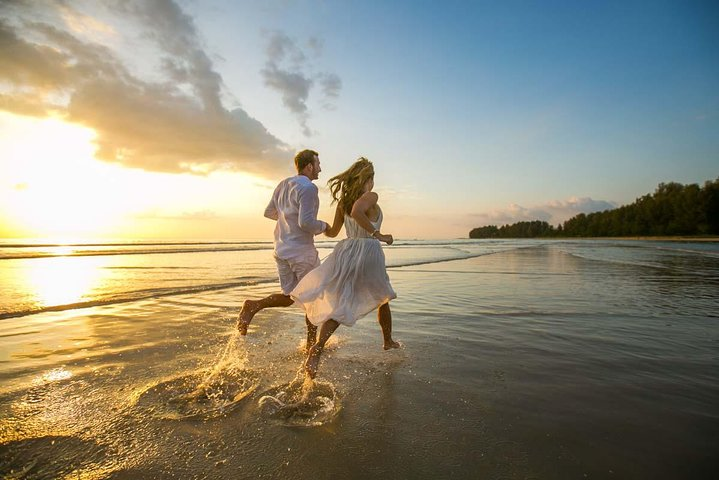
339,220
386,238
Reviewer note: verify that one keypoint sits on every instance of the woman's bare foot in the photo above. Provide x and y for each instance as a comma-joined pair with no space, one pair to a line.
392,344
249,308
313,361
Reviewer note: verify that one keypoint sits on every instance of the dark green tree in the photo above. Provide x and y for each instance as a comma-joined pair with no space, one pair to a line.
673,209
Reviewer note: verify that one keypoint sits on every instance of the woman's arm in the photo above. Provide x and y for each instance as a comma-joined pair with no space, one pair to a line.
359,213
337,223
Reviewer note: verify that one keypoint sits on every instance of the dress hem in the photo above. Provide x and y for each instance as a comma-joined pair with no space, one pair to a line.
318,323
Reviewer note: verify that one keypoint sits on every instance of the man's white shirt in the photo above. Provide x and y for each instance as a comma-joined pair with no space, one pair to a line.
295,204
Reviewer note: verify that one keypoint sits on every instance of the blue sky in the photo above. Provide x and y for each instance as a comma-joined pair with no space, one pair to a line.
573,91
473,112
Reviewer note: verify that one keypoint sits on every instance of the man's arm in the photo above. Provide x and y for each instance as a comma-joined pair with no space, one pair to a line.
309,206
271,210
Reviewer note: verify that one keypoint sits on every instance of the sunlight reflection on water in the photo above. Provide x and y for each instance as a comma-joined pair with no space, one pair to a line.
63,280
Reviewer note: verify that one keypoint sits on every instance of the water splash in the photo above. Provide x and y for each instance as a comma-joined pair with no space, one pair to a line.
303,402
207,393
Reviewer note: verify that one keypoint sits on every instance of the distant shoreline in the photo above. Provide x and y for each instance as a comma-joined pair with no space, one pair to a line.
665,238
677,238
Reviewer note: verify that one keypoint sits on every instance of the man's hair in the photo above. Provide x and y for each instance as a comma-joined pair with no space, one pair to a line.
304,158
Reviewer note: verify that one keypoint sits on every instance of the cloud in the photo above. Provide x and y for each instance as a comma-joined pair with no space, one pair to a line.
554,212
294,88
331,85
80,23
316,45
281,47
287,70
176,123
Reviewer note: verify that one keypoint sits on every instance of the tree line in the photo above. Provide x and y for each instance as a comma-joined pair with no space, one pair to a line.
673,209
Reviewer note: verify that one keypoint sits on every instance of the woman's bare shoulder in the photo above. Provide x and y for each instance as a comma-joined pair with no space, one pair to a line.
370,196
365,202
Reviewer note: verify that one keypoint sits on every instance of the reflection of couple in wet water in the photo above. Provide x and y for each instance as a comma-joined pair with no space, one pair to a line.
352,280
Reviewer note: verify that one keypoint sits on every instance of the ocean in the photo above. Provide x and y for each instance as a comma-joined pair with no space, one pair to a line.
520,359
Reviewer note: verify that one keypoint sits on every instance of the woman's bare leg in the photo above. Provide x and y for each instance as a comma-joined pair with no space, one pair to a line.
311,334
251,307
384,315
313,357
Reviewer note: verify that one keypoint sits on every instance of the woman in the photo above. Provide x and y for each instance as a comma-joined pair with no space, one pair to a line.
352,281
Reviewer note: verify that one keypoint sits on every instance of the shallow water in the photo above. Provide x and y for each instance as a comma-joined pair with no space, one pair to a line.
534,359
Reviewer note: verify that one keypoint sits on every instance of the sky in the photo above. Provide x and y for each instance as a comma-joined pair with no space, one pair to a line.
175,119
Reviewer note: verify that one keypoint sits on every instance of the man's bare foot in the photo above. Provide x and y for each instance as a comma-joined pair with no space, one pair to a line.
392,344
249,308
313,361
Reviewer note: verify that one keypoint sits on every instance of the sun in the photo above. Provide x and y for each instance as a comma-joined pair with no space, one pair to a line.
52,185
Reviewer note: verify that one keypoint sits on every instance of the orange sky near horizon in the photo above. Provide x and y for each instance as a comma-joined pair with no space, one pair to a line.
54,188
175,120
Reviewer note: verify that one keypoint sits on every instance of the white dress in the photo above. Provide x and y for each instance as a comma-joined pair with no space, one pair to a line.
351,282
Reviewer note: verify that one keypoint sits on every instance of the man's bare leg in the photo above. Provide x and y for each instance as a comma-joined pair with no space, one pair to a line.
313,357
311,334
251,307
384,315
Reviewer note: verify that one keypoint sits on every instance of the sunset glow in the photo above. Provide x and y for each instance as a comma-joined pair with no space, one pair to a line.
176,120
54,188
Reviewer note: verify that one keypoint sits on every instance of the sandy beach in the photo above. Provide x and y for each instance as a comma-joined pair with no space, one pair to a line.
530,361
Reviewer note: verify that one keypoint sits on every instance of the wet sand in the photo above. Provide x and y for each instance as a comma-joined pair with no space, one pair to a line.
528,363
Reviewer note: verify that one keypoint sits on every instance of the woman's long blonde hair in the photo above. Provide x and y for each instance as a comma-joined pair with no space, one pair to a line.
348,186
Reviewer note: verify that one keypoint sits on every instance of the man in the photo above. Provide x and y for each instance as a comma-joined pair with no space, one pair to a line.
294,207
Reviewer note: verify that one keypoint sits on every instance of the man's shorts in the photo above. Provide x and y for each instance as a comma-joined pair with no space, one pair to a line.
292,271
